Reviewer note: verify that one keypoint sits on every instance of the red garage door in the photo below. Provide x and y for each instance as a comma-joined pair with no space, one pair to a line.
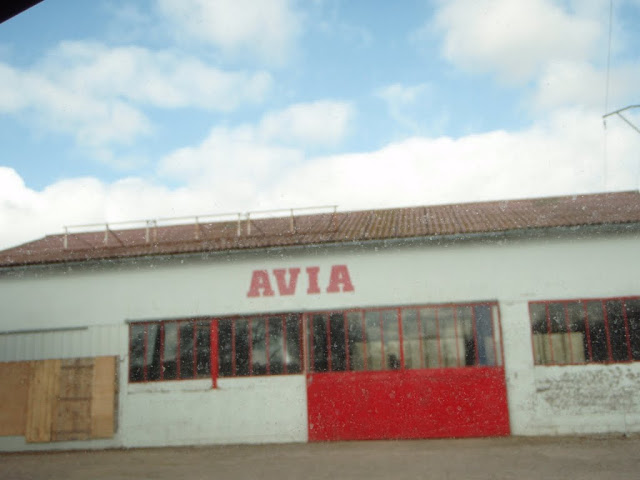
410,372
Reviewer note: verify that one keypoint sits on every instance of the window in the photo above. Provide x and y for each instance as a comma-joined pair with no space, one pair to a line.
170,350
436,336
586,331
260,345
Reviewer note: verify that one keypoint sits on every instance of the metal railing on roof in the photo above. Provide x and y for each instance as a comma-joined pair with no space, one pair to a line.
243,222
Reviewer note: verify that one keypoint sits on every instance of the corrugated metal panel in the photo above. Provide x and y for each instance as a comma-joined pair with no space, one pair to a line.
95,341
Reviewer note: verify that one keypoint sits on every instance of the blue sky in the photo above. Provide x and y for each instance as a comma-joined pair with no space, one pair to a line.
114,110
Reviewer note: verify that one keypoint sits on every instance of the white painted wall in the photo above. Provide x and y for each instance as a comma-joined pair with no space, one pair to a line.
510,271
240,410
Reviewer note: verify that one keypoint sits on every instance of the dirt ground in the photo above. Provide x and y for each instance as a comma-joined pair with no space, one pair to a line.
503,458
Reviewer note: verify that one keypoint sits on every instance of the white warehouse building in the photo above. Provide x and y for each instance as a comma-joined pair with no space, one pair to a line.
517,317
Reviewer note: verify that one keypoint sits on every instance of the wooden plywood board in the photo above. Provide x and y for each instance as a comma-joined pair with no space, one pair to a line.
14,392
103,398
73,410
76,378
42,400
73,420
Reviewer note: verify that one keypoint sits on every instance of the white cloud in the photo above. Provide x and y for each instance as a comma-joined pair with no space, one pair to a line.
516,39
96,93
323,122
580,83
267,29
234,170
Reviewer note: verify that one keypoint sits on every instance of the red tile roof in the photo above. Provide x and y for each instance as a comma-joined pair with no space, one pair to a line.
328,228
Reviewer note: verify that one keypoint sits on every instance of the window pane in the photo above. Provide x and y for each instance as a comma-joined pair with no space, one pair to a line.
293,344
484,329
617,331
318,343
170,351
338,342
203,349
430,335
539,328
580,350
242,345
450,347
466,332
136,353
357,345
497,334
276,346
153,351
258,346
411,338
391,340
225,351
186,350
633,319
373,339
597,333
560,342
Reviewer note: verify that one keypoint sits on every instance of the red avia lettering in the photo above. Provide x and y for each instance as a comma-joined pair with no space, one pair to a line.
287,281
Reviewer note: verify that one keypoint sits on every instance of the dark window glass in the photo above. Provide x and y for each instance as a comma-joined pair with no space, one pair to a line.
617,331
203,349
538,318
338,342
154,342
466,321
242,344
597,332
633,320
318,342
170,353
293,344
186,350
357,345
136,353
276,346
258,346
225,351
391,338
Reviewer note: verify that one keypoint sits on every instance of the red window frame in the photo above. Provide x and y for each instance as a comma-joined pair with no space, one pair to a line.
588,335
196,324
400,314
266,317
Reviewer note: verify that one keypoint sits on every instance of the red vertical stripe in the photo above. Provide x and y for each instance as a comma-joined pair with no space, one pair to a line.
284,345
455,327
566,322
587,330
399,317
420,335
146,348
213,342
626,329
328,343
606,331
438,338
364,341
346,340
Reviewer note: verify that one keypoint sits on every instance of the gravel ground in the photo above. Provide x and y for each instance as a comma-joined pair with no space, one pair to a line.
498,458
